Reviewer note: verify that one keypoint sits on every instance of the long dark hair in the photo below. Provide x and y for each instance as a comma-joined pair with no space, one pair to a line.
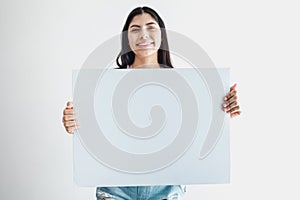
127,55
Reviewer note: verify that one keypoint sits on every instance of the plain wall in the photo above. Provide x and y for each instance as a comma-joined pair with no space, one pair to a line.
42,41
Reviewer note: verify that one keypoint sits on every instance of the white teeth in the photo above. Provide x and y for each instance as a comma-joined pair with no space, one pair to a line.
144,44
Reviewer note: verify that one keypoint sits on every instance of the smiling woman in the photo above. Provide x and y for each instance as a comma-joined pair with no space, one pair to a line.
145,45
144,41
144,37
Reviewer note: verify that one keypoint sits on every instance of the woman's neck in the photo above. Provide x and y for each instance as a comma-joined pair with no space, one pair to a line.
147,62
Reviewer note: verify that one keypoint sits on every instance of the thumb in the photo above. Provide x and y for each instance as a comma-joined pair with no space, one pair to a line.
70,104
233,87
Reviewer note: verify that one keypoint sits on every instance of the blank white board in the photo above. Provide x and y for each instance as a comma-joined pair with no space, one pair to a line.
151,126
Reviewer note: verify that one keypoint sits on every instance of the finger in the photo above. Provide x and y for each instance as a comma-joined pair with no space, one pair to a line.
230,106
69,104
235,114
70,130
69,123
68,118
230,94
233,87
230,101
74,126
69,111
233,109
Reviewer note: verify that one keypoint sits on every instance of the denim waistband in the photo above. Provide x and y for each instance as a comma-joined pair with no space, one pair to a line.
141,192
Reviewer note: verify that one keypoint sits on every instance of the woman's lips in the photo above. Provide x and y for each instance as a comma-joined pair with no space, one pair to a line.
145,45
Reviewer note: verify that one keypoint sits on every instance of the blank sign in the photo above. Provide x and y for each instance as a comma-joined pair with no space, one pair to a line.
151,126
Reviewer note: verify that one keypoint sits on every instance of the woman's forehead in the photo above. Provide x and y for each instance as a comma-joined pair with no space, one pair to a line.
142,19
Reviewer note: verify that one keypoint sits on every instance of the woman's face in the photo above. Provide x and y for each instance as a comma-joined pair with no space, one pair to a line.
144,35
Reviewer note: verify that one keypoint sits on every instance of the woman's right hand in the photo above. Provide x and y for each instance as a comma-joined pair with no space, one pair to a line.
69,119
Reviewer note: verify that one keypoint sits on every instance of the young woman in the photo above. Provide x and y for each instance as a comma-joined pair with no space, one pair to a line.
145,45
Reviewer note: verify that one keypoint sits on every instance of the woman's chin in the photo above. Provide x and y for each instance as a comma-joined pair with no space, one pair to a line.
143,53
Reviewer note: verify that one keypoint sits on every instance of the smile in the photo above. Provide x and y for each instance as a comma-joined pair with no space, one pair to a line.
145,45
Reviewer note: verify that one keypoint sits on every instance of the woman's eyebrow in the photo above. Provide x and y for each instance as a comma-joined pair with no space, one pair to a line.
138,26
134,25
151,23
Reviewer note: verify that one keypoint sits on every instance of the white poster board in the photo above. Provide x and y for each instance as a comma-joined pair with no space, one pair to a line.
151,127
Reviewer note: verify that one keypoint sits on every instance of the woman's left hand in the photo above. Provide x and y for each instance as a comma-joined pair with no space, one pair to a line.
231,104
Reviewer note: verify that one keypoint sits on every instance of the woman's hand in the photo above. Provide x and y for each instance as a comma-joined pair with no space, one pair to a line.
69,118
231,104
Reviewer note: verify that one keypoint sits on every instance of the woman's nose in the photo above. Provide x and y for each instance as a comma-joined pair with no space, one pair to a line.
144,34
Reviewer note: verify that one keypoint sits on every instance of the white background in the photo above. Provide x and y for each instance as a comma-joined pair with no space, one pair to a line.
42,41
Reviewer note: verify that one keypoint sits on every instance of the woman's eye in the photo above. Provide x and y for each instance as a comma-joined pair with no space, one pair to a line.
152,28
135,30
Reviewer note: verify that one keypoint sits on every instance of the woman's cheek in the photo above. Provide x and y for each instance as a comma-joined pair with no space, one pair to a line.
131,41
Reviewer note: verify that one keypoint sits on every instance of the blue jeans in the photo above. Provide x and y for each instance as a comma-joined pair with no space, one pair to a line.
165,192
